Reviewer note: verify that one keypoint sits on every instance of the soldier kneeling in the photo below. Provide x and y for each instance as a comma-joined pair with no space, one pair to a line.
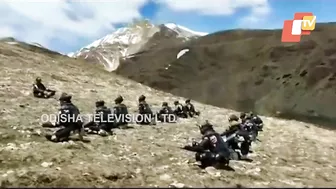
166,114
40,91
212,150
180,110
146,116
102,122
68,118
190,109
120,112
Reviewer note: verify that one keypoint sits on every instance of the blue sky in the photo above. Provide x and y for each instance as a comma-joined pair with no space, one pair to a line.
67,25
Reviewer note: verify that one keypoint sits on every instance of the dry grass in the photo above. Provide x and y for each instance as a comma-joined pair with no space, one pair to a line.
291,153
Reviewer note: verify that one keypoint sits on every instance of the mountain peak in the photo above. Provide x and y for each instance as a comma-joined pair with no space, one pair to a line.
140,23
129,40
179,28
130,34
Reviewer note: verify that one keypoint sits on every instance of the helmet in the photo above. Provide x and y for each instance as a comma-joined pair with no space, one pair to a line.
142,98
176,102
233,117
187,101
100,103
164,104
206,126
38,79
119,99
65,97
249,115
242,115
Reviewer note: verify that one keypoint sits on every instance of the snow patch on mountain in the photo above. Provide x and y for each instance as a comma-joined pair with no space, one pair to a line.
111,63
121,38
183,31
70,54
12,43
37,45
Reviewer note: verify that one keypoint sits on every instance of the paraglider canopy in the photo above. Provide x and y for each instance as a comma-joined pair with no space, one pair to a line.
181,53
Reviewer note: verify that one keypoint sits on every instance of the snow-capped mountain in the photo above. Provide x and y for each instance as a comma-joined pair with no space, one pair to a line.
129,40
183,31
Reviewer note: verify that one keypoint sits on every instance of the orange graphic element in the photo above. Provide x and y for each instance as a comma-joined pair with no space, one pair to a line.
302,24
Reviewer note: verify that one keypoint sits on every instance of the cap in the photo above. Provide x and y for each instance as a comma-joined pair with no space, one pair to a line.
65,97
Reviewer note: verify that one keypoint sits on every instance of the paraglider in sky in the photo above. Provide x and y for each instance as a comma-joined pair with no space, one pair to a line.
181,53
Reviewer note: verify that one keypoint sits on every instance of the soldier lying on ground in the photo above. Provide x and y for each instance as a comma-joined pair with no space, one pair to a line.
212,150
166,114
190,109
68,118
102,122
40,91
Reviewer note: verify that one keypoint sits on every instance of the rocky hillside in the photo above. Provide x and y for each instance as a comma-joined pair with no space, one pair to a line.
135,38
290,154
33,47
248,70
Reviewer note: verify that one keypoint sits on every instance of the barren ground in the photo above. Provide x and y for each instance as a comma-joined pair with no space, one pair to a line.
290,153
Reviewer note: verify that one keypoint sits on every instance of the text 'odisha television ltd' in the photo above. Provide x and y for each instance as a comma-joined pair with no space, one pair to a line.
302,24
98,118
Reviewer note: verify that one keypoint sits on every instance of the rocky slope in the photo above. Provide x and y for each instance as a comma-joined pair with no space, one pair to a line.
34,47
129,40
290,154
248,70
